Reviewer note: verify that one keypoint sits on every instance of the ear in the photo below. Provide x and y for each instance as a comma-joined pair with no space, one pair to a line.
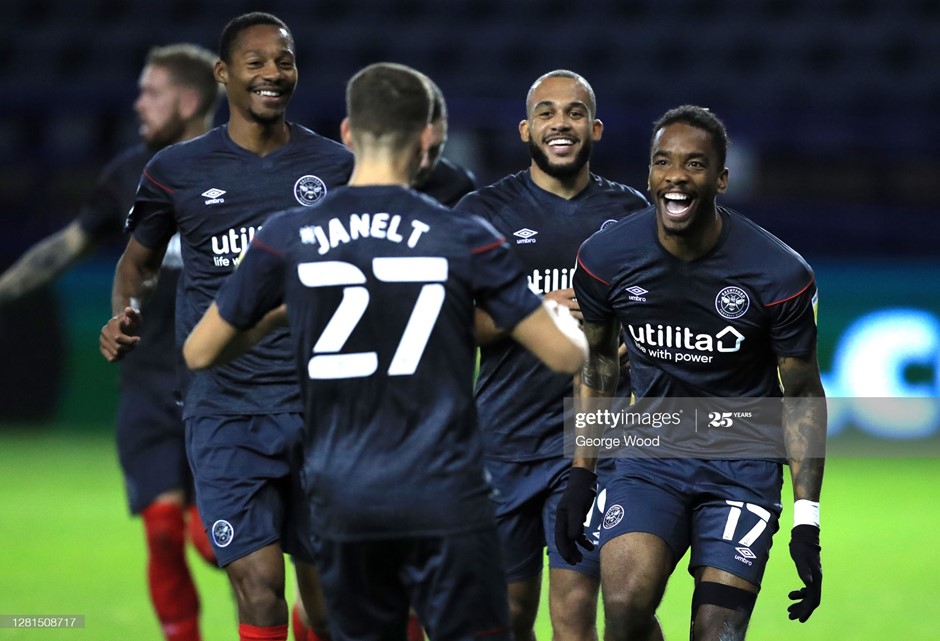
188,103
427,138
723,181
220,71
345,133
597,129
524,130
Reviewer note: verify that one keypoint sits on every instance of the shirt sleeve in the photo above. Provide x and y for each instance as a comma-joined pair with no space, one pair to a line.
500,287
591,289
793,321
152,219
257,284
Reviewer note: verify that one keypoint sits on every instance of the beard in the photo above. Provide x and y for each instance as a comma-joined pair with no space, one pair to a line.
166,134
561,171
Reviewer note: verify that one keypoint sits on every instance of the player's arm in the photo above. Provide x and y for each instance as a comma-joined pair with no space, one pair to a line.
553,336
215,341
45,261
804,424
804,431
134,279
487,331
599,377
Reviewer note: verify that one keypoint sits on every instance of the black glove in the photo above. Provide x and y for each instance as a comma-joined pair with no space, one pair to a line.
573,508
804,550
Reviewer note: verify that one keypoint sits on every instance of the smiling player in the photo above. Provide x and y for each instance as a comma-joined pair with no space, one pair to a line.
243,421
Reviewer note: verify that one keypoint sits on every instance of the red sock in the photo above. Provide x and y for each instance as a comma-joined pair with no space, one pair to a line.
299,629
415,633
171,586
198,536
257,633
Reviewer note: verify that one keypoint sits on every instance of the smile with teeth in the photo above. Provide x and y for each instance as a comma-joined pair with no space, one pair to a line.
559,142
677,204
268,93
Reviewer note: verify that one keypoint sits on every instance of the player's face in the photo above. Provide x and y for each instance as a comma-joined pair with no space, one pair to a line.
262,74
685,176
158,108
438,140
559,129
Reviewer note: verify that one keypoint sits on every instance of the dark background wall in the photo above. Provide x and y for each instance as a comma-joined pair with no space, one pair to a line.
831,104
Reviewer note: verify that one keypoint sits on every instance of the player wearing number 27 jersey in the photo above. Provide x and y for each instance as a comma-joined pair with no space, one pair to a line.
382,299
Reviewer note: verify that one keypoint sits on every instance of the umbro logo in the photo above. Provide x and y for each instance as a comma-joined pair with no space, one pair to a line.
214,196
525,235
636,293
744,555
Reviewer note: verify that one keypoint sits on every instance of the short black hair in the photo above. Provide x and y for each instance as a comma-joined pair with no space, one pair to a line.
700,118
571,75
242,22
389,100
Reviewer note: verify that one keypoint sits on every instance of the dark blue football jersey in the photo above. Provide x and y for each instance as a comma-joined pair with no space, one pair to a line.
711,327
448,183
380,283
102,217
519,399
217,195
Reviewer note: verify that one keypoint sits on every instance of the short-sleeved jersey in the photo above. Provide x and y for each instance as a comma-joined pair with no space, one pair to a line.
448,183
519,399
217,195
102,217
380,283
710,327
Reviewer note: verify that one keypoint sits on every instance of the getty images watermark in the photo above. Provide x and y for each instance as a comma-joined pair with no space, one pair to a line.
727,428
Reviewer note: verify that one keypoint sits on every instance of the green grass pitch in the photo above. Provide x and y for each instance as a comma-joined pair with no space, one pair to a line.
68,546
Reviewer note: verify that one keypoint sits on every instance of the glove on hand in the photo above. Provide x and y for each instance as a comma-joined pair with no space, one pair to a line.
572,510
804,550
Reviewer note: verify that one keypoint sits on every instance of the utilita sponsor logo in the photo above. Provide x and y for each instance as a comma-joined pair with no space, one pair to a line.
234,241
659,342
542,281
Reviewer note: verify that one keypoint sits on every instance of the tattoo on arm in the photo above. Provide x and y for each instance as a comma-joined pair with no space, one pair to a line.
804,424
601,371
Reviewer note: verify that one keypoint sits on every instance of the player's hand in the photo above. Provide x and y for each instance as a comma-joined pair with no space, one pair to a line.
576,501
118,336
565,297
804,550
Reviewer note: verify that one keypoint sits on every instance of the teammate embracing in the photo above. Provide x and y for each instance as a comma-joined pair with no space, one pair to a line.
379,283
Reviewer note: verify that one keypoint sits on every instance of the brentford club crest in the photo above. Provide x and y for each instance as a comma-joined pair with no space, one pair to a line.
222,533
732,302
308,190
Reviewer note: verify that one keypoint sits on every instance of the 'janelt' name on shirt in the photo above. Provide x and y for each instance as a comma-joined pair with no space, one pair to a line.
380,225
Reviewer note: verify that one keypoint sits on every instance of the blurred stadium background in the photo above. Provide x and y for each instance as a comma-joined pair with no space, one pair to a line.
831,105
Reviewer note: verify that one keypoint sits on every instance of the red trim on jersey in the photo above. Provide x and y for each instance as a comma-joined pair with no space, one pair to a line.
490,632
486,248
783,300
591,274
267,248
163,187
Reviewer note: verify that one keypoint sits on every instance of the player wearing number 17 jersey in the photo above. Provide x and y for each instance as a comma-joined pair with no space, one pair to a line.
714,306
379,283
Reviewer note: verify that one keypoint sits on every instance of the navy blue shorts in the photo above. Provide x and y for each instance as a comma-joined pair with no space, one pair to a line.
455,583
247,477
726,511
527,495
151,446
